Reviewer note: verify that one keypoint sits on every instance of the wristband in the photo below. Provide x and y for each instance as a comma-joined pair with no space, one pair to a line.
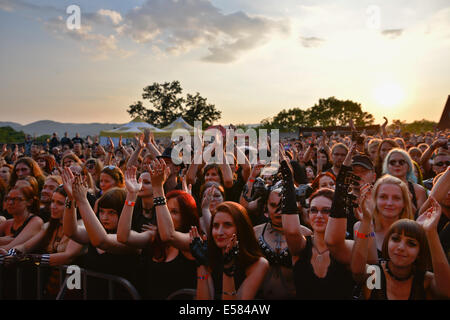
251,180
44,260
205,277
130,203
68,203
159,201
364,235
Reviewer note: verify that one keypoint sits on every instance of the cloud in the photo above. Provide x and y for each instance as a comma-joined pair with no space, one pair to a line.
311,42
172,26
392,33
179,26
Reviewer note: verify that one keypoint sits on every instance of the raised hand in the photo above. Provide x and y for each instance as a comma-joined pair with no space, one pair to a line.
68,179
198,247
231,252
111,145
79,189
159,172
207,197
366,202
430,218
132,185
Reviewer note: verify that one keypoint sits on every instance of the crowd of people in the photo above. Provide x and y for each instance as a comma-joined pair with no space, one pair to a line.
311,227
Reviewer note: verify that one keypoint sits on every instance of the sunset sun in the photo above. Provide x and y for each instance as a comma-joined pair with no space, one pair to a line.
389,94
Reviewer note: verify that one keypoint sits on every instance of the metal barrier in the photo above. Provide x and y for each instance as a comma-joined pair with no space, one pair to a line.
112,282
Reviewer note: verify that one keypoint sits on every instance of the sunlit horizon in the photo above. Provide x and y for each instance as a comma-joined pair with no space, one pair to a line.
250,59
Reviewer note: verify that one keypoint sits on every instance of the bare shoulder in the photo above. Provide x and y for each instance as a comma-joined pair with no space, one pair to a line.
258,229
259,265
419,188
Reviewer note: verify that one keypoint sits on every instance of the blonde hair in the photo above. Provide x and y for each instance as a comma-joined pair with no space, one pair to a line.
407,212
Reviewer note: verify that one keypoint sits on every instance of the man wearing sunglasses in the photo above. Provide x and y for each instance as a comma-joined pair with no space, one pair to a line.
440,163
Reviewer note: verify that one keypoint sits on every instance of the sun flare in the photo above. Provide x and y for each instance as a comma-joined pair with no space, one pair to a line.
389,94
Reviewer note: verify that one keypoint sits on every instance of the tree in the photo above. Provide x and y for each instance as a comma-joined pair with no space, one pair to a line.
334,112
328,112
168,104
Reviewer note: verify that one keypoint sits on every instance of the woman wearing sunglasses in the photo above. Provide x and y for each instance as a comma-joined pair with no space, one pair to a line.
94,167
398,163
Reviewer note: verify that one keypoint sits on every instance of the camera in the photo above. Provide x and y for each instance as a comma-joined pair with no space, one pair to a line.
302,193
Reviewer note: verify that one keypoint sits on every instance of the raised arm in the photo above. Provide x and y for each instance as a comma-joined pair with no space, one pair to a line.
296,241
439,190
95,230
441,269
70,224
159,173
124,233
140,145
341,207
360,250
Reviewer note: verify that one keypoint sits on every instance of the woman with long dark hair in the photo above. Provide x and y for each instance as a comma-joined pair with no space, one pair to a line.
233,267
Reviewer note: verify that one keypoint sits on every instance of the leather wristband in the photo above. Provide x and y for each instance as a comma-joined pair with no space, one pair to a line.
159,201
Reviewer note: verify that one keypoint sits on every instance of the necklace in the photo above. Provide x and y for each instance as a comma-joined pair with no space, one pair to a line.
396,277
319,256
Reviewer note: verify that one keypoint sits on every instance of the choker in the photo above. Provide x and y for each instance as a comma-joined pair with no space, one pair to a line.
396,277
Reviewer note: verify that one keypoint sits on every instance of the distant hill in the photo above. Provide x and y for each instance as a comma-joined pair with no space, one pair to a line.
42,127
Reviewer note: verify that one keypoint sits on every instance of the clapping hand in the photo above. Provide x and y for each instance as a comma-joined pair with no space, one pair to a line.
79,189
68,179
366,202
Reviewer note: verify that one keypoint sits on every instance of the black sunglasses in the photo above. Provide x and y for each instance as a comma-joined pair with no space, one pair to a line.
400,162
441,163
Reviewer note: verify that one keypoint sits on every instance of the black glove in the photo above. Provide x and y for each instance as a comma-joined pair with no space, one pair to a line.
199,250
229,260
343,200
288,199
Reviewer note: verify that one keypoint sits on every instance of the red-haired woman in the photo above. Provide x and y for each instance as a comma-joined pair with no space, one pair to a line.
25,167
47,163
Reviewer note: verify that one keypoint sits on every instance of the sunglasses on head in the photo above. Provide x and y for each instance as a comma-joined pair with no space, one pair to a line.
441,163
400,162
111,167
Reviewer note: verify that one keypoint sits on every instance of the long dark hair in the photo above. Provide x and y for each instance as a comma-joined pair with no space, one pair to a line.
249,250
53,223
410,228
35,172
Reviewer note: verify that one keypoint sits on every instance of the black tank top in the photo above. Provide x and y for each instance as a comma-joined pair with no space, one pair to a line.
164,278
417,288
15,233
336,285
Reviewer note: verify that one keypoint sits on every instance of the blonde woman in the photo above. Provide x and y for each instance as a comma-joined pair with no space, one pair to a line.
398,163
391,203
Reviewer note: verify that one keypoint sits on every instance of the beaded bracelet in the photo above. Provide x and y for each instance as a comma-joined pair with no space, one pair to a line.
159,201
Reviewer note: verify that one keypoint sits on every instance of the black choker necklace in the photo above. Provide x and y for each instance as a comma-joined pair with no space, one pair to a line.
394,276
